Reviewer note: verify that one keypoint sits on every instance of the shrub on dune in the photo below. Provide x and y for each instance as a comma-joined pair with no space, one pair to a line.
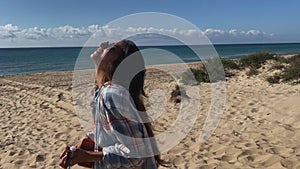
256,60
292,72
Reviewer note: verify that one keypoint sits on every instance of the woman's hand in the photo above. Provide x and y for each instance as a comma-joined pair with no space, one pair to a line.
96,56
87,145
79,156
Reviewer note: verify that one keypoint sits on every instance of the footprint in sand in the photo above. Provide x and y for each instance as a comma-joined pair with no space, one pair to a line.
39,158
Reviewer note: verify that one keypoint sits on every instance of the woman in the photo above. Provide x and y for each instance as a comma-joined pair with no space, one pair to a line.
122,129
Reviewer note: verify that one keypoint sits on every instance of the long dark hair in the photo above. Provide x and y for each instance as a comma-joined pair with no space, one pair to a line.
105,73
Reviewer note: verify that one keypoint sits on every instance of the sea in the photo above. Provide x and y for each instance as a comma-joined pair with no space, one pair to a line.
15,61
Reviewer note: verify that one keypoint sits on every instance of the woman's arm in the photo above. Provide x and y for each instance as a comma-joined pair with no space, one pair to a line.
90,135
80,155
92,156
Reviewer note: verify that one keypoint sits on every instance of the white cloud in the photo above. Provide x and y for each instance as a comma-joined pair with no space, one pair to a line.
213,32
11,35
8,31
255,33
34,33
236,36
233,32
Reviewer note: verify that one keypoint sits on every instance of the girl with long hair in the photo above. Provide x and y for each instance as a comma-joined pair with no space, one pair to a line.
123,136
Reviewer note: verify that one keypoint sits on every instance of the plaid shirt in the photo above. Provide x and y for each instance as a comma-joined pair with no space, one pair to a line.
117,121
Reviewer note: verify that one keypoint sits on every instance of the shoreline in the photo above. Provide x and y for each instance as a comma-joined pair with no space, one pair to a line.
190,64
71,71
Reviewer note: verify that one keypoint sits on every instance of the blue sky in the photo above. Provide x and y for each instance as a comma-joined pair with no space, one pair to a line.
223,21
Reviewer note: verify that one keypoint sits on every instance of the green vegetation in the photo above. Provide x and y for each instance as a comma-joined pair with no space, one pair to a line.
195,76
293,59
230,64
252,71
211,72
256,60
277,66
289,69
292,72
273,79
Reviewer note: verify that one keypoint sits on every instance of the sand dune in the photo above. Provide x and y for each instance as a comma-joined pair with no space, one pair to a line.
258,129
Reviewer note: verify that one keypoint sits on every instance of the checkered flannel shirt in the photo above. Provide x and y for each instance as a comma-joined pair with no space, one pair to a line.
116,120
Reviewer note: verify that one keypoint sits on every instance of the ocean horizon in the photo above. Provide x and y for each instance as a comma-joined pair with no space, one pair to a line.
27,60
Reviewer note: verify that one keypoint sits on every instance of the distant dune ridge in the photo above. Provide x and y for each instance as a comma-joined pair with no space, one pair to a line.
260,126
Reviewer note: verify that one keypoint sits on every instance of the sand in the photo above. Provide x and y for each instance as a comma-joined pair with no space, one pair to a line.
259,128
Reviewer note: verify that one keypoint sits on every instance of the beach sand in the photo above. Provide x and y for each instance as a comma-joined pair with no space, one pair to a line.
259,128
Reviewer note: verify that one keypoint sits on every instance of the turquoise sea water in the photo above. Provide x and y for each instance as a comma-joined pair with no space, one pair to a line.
29,60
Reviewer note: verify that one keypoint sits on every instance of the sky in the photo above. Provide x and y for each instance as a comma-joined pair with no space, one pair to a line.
72,22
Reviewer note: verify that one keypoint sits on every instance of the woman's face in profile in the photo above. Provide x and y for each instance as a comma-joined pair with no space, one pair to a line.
115,50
